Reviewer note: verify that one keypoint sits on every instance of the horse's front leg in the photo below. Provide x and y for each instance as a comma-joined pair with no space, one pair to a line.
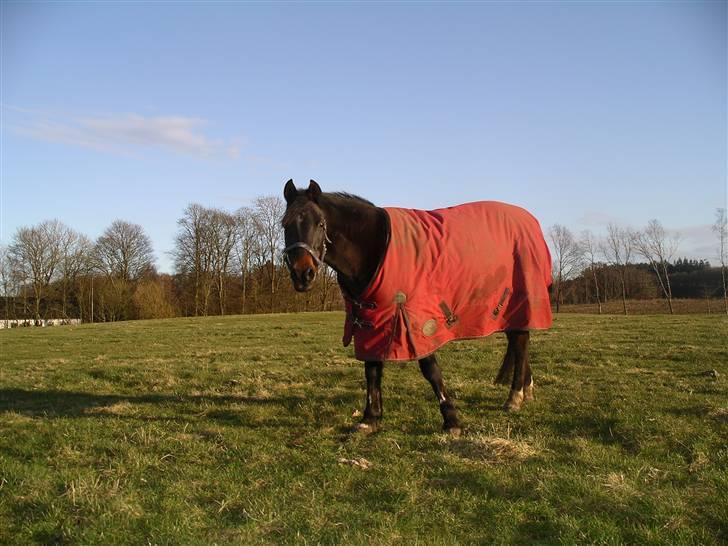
431,371
373,410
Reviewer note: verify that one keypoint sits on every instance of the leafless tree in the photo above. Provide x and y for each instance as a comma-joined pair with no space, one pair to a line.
193,254
244,247
36,252
328,282
720,228
8,280
222,233
658,248
618,248
590,245
124,254
566,257
124,251
268,213
76,259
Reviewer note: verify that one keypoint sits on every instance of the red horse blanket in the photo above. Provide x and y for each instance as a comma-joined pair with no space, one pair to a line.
454,273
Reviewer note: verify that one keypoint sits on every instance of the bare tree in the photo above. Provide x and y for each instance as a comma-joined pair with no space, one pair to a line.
328,282
124,254
191,253
720,228
590,246
658,248
244,247
36,252
76,259
618,248
8,281
567,257
222,234
124,251
268,213
203,251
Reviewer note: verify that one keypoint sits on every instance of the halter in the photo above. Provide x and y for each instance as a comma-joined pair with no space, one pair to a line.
318,259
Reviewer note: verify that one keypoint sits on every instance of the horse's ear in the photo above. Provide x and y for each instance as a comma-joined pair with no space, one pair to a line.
313,191
290,192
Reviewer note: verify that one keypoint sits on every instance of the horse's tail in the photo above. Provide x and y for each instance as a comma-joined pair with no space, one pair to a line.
505,374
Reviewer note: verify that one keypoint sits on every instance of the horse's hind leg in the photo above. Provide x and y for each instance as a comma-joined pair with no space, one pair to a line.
518,343
528,395
505,374
431,371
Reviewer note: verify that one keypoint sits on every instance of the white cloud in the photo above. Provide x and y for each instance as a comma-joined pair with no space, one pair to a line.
133,132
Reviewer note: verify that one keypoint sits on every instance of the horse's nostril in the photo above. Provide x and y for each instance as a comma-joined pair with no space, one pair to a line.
309,274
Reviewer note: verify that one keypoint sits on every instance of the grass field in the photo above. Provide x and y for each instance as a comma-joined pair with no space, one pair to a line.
233,430
681,306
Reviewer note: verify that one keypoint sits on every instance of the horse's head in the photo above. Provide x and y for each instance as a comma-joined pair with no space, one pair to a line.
304,225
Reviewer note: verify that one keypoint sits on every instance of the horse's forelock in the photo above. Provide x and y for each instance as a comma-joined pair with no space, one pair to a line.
294,209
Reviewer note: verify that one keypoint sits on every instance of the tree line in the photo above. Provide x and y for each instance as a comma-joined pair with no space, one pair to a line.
224,263
230,262
628,263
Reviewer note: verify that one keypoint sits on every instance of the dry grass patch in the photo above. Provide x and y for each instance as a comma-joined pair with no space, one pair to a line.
16,418
119,408
492,449
719,414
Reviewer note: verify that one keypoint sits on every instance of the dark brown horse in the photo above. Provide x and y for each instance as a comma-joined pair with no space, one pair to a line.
351,235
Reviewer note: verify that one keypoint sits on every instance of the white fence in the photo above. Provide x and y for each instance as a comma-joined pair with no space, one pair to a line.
32,323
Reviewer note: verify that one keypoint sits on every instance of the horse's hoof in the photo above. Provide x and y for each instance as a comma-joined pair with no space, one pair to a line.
364,428
514,402
454,432
528,394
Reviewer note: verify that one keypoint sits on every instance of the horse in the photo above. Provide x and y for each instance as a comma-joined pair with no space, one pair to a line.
393,265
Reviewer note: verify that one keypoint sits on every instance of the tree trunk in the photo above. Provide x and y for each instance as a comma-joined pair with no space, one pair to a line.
669,288
221,292
245,289
37,291
272,284
596,288
725,288
558,293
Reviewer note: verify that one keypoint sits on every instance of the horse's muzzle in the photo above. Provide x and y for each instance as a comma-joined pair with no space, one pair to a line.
303,279
303,273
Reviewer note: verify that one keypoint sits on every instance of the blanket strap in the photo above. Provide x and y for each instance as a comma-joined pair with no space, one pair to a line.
501,301
363,304
450,317
355,320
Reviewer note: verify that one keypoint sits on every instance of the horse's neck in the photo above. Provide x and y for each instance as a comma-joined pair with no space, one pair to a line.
358,233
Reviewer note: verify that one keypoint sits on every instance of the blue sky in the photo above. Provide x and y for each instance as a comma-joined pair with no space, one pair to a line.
584,113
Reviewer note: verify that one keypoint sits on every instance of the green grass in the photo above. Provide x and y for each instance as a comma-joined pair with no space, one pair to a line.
230,430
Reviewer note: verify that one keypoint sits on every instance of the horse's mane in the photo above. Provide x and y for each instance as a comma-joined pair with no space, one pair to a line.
338,199
349,197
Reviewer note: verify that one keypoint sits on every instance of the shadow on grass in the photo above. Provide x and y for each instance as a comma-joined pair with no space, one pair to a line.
604,429
58,403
